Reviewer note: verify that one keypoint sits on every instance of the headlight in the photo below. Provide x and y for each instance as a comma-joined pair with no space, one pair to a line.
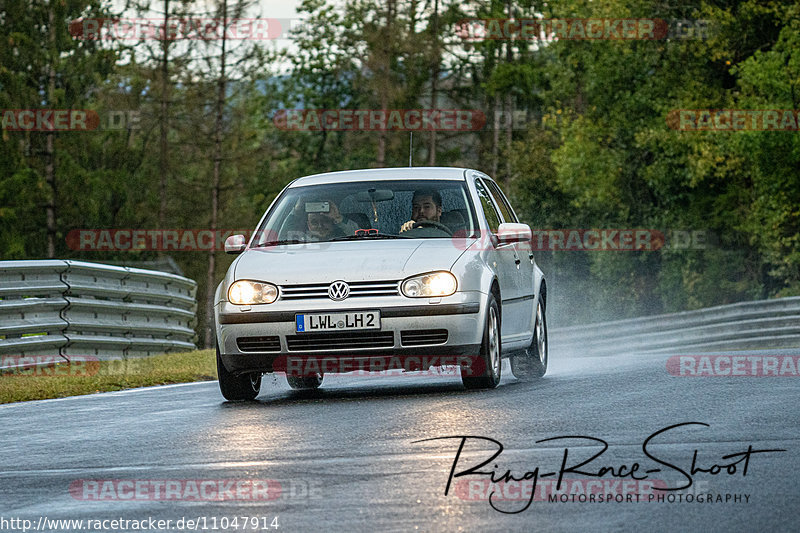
428,285
244,292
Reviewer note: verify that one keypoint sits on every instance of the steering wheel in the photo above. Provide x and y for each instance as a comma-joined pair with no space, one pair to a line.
433,224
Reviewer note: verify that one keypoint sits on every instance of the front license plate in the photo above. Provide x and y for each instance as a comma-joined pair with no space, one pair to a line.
338,321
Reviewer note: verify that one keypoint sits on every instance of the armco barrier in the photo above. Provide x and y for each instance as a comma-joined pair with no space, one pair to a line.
740,326
73,308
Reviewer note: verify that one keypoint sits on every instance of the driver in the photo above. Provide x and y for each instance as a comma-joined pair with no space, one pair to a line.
426,204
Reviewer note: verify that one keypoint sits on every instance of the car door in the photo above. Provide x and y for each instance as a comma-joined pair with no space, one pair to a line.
527,264
506,262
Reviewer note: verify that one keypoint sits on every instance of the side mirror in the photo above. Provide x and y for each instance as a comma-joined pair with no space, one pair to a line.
235,244
511,232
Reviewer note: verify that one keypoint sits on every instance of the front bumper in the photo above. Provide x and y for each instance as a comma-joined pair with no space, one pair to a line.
461,314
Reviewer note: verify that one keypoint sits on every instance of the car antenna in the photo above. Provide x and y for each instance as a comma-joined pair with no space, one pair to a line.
410,147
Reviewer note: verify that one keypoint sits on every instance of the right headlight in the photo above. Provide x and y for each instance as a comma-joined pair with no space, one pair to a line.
246,292
428,285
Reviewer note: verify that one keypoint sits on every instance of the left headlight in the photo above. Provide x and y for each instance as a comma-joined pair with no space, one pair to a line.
429,285
245,292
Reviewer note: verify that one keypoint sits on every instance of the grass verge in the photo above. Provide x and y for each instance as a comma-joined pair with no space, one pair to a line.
91,376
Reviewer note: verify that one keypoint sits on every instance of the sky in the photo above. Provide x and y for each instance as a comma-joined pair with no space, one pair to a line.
278,9
268,9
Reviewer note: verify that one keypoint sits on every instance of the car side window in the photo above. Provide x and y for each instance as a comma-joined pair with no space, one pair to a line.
492,216
501,201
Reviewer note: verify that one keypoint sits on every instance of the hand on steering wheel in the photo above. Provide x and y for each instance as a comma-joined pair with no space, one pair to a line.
433,224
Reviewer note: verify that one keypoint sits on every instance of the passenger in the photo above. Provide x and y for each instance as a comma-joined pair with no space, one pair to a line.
328,225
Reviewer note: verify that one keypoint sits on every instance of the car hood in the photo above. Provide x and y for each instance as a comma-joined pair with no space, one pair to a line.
350,261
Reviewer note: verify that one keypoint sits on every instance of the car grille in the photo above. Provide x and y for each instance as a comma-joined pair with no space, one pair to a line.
340,341
357,289
259,344
423,337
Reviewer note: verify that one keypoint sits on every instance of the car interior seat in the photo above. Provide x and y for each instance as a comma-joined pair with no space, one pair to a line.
454,220
359,218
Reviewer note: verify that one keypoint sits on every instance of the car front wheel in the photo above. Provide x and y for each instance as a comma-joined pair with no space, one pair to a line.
532,363
485,373
241,387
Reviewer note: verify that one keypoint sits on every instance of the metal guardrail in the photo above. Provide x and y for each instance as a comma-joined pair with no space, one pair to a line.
74,308
745,325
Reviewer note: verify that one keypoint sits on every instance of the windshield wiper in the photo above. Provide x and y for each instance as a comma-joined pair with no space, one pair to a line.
279,243
372,235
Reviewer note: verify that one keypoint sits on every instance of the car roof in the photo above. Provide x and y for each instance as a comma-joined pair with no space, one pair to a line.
412,173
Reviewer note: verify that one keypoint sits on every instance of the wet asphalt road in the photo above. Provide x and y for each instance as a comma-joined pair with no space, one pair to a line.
346,460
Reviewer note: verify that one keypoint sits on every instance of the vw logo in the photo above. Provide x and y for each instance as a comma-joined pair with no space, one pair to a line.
338,290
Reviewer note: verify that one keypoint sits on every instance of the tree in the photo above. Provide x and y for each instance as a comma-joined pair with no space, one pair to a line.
58,75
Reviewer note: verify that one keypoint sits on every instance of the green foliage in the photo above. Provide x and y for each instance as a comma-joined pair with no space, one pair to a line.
90,377
597,152
619,165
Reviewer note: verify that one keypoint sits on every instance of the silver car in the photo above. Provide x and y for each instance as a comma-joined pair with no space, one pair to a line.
354,270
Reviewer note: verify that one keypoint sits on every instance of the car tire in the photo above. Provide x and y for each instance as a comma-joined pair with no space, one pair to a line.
304,383
490,356
531,364
235,388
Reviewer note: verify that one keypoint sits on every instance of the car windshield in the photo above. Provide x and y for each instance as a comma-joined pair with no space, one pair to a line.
397,209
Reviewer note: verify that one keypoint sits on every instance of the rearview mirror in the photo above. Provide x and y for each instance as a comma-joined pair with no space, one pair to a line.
512,232
318,207
374,195
235,244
